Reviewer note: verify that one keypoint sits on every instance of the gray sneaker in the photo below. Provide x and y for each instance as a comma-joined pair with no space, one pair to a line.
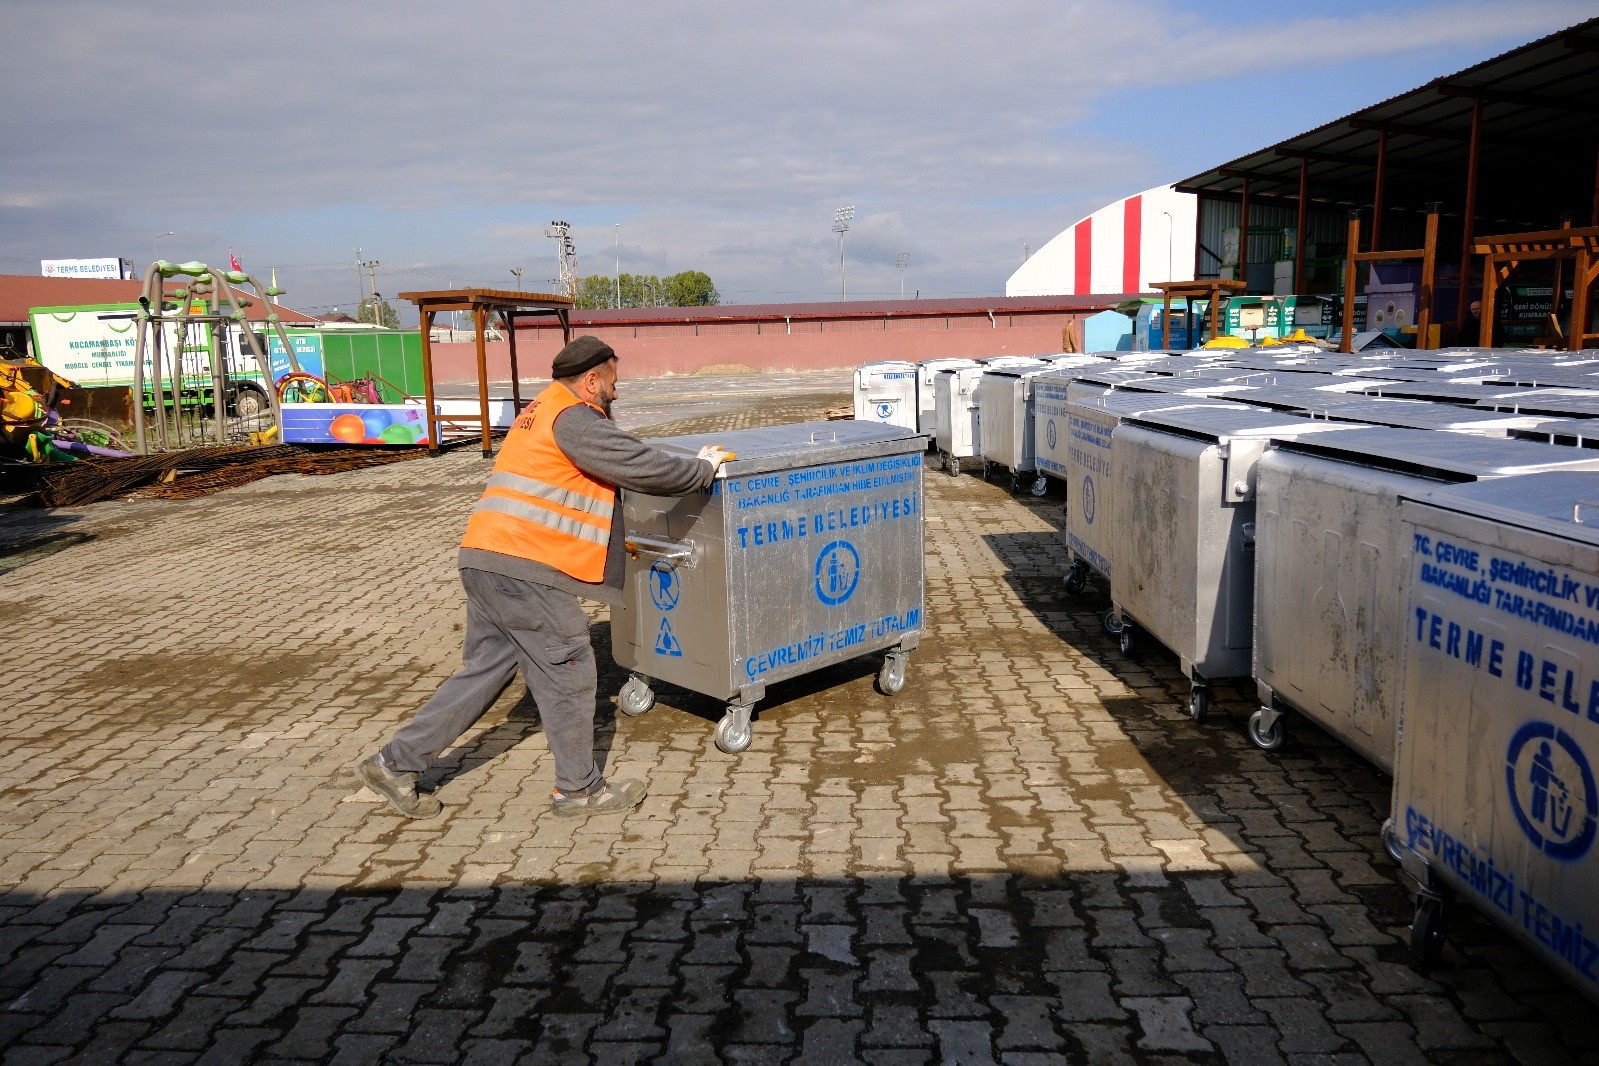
610,797
398,788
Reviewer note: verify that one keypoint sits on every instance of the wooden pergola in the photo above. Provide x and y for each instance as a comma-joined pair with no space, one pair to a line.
1209,289
1503,253
482,303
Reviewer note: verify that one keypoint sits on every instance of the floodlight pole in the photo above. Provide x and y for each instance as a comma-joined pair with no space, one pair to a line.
902,260
841,219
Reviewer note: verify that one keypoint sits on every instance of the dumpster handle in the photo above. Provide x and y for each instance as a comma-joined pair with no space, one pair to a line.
832,437
676,551
1576,509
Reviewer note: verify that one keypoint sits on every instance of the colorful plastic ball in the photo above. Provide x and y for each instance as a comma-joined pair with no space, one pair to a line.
348,428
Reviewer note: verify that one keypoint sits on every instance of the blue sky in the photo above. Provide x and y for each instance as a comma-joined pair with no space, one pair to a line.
441,139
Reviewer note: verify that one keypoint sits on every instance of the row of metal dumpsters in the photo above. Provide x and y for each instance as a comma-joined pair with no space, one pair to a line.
1402,548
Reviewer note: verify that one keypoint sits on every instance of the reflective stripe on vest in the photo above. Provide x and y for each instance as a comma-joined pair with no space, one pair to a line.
538,505
565,497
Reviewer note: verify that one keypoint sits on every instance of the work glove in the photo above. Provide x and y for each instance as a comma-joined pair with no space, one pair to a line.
715,454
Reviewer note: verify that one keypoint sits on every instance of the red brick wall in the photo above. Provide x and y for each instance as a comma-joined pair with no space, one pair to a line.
655,349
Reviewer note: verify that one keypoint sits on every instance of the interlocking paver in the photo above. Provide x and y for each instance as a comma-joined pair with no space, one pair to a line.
1029,855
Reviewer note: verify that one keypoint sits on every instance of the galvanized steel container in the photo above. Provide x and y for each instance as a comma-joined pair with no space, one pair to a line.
1330,560
1495,795
1004,400
806,552
885,393
1184,502
956,426
926,400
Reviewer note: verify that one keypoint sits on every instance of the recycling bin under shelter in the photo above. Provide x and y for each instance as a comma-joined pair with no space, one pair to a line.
1185,510
1330,563
885,393
1495,799
807,551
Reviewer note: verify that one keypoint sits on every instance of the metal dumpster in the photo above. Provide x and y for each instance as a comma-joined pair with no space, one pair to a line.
1090,532
1005,412
1330,561
955,422
807,551
885,393
1495,800
1184,504
1571,432
926,374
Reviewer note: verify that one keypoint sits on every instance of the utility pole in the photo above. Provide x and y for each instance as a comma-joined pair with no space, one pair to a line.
902,260
517,272
565,257
841,219
371,268
616,232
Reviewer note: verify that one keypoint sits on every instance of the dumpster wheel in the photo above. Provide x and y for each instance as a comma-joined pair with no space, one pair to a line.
1076,578
891,675
1041,485
952,465
1199,702
636,696
1427,930
1267,737
1112,622
1125,639
733,732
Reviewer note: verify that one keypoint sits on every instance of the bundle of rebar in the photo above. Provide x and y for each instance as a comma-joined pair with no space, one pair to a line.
199,471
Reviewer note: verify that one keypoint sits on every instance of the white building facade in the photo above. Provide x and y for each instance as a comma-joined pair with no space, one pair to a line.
1121,247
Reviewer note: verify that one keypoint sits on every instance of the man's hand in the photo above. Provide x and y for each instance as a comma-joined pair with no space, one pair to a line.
715,454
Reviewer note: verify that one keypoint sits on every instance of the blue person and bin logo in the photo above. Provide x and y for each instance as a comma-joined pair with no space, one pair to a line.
1552,790
838,572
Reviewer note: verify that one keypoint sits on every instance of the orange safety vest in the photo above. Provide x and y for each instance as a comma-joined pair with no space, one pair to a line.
539,505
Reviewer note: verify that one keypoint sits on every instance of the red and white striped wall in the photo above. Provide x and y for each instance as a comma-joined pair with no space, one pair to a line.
1122,247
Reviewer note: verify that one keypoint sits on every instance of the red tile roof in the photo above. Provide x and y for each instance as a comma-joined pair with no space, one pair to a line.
19,292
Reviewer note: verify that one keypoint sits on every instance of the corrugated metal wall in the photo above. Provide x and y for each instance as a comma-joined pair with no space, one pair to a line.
1327,231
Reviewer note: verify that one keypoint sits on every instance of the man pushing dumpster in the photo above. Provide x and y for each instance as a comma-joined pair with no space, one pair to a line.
547,531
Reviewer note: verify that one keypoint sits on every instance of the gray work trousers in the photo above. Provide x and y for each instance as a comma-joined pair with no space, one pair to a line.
513,624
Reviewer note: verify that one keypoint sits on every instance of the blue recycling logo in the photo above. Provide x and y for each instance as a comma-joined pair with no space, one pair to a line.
885,411
838,572
666,642
665,588
1089,502
1049,434
1552,791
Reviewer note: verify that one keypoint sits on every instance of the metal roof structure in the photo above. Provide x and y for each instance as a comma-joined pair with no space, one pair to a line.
1526,121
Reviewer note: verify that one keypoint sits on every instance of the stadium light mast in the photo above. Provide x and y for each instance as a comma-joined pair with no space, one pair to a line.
841,220
565,257
902,260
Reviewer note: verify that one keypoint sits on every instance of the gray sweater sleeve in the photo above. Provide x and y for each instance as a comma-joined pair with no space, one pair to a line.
605,452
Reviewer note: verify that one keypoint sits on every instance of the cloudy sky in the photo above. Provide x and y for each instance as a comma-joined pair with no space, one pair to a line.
441,138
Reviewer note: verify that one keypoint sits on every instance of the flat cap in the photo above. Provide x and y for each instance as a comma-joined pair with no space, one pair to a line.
582,354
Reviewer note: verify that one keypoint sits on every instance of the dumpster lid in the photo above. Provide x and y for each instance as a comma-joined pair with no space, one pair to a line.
1128,403
1565,504
1445,457
799,444
1419,414
1220,420
1544,401
1580,429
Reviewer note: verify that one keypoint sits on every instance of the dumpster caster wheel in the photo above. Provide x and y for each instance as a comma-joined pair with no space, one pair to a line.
1266,737
1015,483
635,697
891,676
733,733
1125,638
1041,486
1427,930
1112,623
1076,578
985,469
1199,703
952,465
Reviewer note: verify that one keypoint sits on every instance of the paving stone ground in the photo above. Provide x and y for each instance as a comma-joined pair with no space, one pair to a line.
1030,855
